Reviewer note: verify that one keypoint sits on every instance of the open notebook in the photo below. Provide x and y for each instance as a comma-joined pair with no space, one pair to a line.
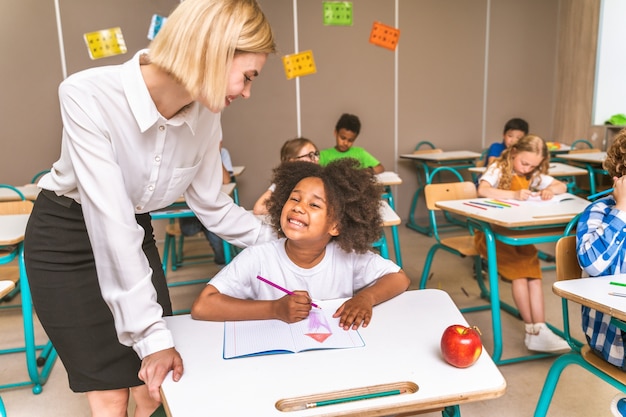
266,337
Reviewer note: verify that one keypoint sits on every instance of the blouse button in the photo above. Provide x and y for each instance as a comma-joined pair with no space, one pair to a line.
161,128
157,158
138,208
151,187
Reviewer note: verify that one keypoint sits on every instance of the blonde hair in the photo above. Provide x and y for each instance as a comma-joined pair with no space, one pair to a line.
615,162
529,143
200,38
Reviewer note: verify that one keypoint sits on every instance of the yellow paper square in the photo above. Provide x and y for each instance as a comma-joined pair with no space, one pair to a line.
297,65
104,43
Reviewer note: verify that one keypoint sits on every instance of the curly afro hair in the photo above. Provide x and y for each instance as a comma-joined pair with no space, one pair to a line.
615,162
352,197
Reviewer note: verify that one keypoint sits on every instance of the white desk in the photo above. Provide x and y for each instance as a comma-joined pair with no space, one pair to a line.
594,293
592,162
427,160
557,169
401,345
387,179
520,224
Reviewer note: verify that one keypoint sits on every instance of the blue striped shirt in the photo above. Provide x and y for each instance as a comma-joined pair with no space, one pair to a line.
601,234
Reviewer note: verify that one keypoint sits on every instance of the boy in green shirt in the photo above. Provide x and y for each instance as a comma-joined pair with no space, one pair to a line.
346,131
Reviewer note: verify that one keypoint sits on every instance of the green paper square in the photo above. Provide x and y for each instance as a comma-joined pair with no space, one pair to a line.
337,13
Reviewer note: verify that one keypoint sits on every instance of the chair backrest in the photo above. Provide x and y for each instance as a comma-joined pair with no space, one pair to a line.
15,190
448,191
481,161
425,147
587,146
16,207
567,266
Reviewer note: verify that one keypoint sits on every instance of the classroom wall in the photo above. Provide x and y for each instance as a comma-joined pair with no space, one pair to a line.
461,69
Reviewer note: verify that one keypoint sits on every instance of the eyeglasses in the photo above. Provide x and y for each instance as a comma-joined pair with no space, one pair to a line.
311,155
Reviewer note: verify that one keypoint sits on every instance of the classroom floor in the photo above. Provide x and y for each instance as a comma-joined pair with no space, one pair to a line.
578,393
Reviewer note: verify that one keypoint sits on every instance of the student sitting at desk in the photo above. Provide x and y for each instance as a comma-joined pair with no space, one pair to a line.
514,130
327,218
347,130
519,174
600,246
298,149
190,226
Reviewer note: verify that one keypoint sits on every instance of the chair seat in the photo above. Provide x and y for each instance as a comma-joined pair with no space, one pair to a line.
602,365
173,229
463,244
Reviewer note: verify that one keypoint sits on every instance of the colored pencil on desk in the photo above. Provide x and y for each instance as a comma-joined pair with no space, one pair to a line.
600,194
480,203
353,398
507,202
618,294
620,284
286,291
499,203
473,205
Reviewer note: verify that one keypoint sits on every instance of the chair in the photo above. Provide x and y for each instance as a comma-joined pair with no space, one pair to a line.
567,267
12,249
38,175
462,245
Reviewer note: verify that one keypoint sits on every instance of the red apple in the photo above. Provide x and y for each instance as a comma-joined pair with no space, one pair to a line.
461,345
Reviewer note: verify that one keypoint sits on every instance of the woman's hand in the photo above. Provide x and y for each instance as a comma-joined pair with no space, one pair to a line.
155,367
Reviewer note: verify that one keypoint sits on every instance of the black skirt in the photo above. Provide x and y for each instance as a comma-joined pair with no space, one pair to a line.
67,298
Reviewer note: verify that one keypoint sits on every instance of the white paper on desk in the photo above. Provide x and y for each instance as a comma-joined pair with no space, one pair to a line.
535,200
266,337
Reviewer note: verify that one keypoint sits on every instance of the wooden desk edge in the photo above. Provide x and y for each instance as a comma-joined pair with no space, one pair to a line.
588,303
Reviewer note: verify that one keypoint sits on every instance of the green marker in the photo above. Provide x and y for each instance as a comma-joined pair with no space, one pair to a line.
621,284
353,398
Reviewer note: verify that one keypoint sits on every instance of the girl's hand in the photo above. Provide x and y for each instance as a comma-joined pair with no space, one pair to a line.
293,308
355,312
546,194
523,195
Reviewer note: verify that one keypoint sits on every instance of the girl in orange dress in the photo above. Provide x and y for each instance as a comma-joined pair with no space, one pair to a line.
520,174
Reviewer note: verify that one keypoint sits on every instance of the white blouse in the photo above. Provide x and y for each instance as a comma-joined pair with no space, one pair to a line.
119,157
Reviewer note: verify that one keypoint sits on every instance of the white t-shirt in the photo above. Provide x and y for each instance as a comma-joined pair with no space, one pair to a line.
339,274
493,173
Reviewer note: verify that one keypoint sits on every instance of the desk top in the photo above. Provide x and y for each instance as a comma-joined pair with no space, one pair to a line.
389,178
557,169
558,211
389,217
447,156
238,170
401,345
592,157
12,228
30,191
594,293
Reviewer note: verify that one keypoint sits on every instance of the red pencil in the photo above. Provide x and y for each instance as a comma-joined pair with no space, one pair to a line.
474,205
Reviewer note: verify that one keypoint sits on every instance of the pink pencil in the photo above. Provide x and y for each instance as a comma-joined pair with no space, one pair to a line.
506,202
286,291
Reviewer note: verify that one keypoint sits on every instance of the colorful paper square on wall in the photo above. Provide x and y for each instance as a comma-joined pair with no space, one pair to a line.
155,25
104,43
297,65
337,13
384,36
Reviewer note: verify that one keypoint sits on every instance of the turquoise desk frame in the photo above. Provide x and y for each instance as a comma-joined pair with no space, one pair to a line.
424,167
45,361
515,236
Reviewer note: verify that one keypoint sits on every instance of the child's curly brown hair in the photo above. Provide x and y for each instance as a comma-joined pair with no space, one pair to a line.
615,162
352,197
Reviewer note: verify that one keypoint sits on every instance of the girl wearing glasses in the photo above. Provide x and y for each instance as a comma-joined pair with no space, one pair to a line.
298,149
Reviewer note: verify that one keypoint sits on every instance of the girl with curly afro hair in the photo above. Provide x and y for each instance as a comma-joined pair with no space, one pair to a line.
519,174
326,219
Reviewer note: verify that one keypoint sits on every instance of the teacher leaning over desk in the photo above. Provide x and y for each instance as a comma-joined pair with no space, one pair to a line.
135,137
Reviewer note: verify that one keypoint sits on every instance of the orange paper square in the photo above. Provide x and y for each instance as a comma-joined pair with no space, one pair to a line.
385,36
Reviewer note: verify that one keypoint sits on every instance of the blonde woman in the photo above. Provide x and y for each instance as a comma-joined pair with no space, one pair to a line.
135,137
